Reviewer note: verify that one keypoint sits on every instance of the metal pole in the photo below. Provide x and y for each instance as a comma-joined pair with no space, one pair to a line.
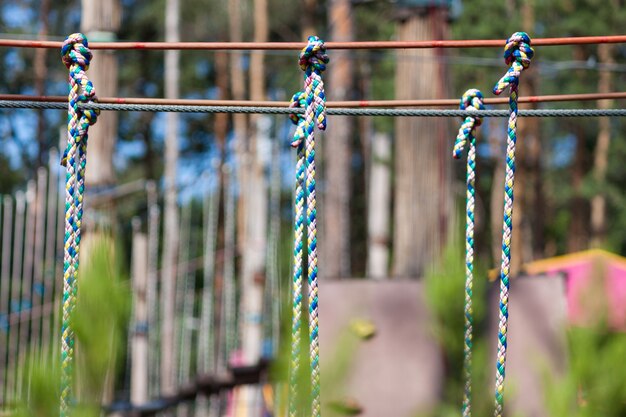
139,349
206,336
182,291
152,290
26,299
227,322
50,251
5,295
39,261
274,303
206,350
20,203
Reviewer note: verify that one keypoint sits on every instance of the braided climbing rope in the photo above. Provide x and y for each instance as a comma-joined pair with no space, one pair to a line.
297,101
313,60
517,54
76,57
471,100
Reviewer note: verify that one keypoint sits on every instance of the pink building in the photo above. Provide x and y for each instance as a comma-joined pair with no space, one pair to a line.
595,285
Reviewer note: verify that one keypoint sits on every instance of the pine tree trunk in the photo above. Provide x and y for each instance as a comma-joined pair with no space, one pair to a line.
601,154
526,158
255,191
309,8
171,225
100,22
240,121
578,236
379,205
41,72
335,236
423,148
139,344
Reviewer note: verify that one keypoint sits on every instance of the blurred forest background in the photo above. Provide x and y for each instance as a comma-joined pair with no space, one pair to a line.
568,194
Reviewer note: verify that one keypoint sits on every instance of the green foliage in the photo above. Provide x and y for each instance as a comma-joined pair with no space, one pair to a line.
445,289
101,316
100,322
594,384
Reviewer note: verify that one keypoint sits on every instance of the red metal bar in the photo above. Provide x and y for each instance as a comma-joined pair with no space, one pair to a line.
477,43
333,104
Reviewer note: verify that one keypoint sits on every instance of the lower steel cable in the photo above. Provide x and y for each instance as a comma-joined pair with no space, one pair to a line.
334,111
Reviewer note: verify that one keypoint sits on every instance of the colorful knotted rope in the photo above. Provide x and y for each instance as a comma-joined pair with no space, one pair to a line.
76,57
313,60
471,100
517,54
298,100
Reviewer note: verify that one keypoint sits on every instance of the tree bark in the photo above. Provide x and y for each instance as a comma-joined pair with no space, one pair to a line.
423,199
578,236
255,209
335,234
170,249
379,207
41,72
308,18
240,121
100,22
601,154
139,344
526,179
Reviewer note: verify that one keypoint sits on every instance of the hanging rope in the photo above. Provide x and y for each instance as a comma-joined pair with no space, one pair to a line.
76,57
517,54
313,60
471,100
297,101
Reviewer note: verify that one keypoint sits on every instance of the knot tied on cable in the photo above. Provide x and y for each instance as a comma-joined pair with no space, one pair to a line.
472,100
76,56
313,61
75,51
298,101
313,55
518,54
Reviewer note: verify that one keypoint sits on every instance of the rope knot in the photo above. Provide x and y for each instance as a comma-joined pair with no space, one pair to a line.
75,51
313,56
517,49
472,100
518,54
298,101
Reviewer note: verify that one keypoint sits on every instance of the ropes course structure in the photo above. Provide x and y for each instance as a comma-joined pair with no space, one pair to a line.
517,54
471,100
307,109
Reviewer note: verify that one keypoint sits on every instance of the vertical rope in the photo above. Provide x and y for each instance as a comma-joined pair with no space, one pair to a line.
471,100
297,101
76,57
517,54
313,60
